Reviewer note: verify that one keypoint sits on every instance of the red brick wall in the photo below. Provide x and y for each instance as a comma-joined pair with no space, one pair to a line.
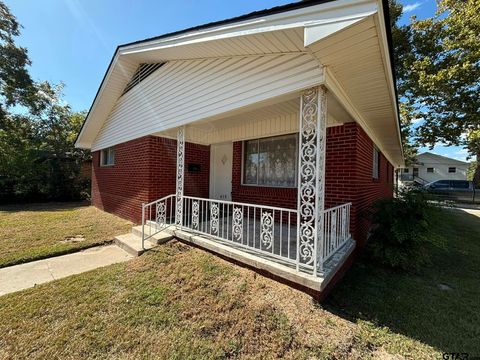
348,178
145,170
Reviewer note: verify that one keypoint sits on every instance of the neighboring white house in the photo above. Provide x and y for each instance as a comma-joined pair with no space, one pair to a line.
431,167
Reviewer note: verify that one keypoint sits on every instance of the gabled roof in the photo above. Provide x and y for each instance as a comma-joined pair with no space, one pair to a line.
440,158
318,18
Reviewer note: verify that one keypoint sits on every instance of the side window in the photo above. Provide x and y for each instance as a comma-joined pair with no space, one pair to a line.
452,170
107,157
430,170
375,163
460,184
442,184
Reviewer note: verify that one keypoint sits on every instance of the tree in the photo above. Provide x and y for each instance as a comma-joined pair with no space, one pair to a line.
401,53
16,86
439,77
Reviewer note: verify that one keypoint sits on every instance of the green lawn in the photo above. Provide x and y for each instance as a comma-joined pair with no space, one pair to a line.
416,305
36,231
178,302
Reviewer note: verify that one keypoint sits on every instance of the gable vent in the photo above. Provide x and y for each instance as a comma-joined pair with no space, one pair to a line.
143,71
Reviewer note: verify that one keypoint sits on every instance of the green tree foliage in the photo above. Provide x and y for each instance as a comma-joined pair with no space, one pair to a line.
16,86
401,51
438,75
38,160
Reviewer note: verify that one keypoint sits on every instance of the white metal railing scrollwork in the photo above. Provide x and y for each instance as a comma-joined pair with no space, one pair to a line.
267,231
157,216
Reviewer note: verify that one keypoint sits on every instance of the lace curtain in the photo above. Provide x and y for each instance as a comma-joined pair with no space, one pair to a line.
271,161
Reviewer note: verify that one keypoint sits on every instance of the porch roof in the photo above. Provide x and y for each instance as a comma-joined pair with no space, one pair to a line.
348,37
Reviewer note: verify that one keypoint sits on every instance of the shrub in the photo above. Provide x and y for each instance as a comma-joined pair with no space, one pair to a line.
402,229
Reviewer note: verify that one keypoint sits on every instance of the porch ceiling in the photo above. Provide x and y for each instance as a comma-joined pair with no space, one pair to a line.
276,116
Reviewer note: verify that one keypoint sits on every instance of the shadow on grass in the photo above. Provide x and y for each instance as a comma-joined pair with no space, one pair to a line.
440,306
45,206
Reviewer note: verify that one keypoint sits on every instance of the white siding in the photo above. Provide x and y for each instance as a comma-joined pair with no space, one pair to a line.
184,91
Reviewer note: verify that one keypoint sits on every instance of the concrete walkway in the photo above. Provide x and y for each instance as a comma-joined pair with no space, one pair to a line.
23,276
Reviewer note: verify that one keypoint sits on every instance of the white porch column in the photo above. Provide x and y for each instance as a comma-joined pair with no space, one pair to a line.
180,175
311,175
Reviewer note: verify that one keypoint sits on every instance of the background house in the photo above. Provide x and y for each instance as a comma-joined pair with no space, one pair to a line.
431,167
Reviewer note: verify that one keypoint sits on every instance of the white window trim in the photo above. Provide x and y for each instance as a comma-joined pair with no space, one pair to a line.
242,182
102,156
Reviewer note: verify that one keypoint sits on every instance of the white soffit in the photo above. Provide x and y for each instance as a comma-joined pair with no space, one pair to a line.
355,59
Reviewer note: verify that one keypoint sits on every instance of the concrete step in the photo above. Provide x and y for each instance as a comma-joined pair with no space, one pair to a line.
132,244
159,238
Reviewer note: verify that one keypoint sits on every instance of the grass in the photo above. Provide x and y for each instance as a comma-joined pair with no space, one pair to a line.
178,302
439,306
36,231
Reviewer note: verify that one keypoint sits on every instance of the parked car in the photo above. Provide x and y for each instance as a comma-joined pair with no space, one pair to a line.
455,190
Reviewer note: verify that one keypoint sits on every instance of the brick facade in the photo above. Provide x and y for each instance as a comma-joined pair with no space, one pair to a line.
348,178
145,170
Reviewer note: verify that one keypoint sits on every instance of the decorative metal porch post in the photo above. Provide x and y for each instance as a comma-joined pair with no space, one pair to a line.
180,173
311,174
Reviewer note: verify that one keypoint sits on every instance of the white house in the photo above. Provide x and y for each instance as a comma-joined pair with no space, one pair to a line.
431,167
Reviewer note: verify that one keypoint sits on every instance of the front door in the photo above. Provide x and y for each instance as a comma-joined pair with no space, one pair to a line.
221,171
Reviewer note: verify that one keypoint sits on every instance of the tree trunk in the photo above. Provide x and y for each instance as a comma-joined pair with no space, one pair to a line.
476,174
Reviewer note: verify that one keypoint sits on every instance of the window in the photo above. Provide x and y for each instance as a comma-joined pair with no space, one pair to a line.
441,184
430,170
107,157
376,163
415,172
406,170
460,184
452,169
271,161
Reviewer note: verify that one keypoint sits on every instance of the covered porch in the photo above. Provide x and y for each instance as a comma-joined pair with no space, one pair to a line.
305,243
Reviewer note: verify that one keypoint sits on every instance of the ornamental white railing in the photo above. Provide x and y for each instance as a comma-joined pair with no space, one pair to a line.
157,216
264,230
336,230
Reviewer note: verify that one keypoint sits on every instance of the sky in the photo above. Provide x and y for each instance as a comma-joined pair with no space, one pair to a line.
73,41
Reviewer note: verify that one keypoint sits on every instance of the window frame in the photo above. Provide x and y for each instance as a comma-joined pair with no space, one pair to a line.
430,172
110,156
375,163
242,172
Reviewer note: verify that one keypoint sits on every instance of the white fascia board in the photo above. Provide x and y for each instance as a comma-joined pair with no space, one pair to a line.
382,35
287,20
87,127
320,30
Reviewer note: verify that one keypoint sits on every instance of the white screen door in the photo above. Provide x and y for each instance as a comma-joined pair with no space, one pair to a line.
221,171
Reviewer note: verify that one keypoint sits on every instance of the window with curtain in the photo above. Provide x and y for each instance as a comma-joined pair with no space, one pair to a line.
271,161
107,157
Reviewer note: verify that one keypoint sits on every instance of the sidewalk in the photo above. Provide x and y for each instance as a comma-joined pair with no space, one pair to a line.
23,276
